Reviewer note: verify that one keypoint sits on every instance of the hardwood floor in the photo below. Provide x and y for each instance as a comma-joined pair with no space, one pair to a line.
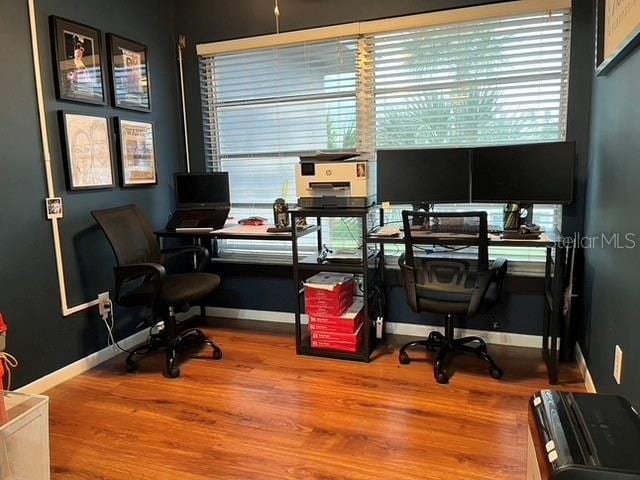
264,413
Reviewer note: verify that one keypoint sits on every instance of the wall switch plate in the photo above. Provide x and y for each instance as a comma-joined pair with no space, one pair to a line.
617,364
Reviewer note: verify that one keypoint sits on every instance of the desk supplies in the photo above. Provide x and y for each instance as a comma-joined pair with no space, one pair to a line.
335,318
328,294
254,220
280,213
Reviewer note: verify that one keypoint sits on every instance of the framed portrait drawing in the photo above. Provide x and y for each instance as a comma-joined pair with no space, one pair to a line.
129,74
86,141
617,32
77,58
136,148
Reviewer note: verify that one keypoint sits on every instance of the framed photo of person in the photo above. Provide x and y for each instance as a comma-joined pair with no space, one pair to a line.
136,147
77,58
86,141
129,74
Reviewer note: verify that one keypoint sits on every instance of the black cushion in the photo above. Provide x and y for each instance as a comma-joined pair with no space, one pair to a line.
188,287
176,290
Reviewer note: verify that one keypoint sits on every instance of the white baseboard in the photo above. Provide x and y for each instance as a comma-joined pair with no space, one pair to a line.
80,366
584,370
496,338
87,363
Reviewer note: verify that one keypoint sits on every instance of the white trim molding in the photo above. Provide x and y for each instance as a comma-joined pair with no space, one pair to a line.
80,366
584,370
351,30
416,330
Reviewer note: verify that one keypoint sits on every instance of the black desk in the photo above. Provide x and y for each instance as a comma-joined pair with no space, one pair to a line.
555,326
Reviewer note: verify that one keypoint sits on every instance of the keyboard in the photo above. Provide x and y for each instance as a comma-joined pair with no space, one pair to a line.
464,229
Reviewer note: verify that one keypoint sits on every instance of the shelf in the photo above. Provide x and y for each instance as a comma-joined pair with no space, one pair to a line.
316,352
305,349
310,263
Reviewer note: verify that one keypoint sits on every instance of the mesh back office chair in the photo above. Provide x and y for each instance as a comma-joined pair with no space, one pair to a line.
453,287
141,280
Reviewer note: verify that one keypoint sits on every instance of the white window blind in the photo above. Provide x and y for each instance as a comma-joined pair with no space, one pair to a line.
485,82
264,109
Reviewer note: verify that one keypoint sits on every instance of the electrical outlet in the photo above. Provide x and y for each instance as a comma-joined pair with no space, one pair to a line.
617,364
104,304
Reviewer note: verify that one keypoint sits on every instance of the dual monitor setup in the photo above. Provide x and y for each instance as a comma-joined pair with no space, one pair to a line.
516,175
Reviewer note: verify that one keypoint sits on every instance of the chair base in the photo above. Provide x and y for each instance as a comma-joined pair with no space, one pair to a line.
171,346
446,345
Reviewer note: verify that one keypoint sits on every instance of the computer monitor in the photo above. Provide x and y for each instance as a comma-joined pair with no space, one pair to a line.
532,173
418,176
202,190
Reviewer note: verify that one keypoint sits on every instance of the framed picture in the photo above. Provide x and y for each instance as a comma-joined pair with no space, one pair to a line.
617,32
86,143
77,59
137,151
54,208
129,74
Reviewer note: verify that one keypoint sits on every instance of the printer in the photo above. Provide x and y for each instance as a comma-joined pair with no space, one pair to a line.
340,180
581,436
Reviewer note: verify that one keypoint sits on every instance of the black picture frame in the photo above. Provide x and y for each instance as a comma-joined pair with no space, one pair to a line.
77,61
632,40
136,145
129,72
87,149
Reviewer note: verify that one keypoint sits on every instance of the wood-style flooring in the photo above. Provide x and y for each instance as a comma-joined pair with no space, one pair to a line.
264,413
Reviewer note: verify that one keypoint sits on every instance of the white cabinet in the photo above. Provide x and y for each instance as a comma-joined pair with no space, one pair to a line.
24,437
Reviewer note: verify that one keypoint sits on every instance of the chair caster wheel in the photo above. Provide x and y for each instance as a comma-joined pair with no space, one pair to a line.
173,373
442,378
403,358
131,366
496,373
217,354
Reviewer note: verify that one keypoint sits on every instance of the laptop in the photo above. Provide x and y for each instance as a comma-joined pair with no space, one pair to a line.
202,202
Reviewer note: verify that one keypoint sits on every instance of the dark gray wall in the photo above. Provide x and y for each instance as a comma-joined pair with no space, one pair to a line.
39,336
202,21
611,275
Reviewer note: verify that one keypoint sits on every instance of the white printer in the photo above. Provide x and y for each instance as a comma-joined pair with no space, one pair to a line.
340,180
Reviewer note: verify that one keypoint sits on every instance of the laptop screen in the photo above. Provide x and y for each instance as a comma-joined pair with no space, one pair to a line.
202,189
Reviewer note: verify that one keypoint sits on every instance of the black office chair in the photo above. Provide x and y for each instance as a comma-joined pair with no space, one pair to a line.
452,287
141,280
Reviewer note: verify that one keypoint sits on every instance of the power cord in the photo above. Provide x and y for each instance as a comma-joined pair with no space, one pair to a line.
111,341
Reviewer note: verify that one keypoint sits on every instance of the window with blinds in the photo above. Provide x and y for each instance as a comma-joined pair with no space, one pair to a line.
503,81
488,82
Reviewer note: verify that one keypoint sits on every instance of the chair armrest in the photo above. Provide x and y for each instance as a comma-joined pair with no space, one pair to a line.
499,270
153,274
202,252
496,274
409,280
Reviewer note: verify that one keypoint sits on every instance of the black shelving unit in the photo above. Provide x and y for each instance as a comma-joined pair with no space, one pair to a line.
309,266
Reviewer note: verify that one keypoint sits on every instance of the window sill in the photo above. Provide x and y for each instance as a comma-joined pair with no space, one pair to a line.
516,268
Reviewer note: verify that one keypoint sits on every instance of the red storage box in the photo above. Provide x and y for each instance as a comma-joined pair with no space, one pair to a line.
328,294
348,322
342,342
